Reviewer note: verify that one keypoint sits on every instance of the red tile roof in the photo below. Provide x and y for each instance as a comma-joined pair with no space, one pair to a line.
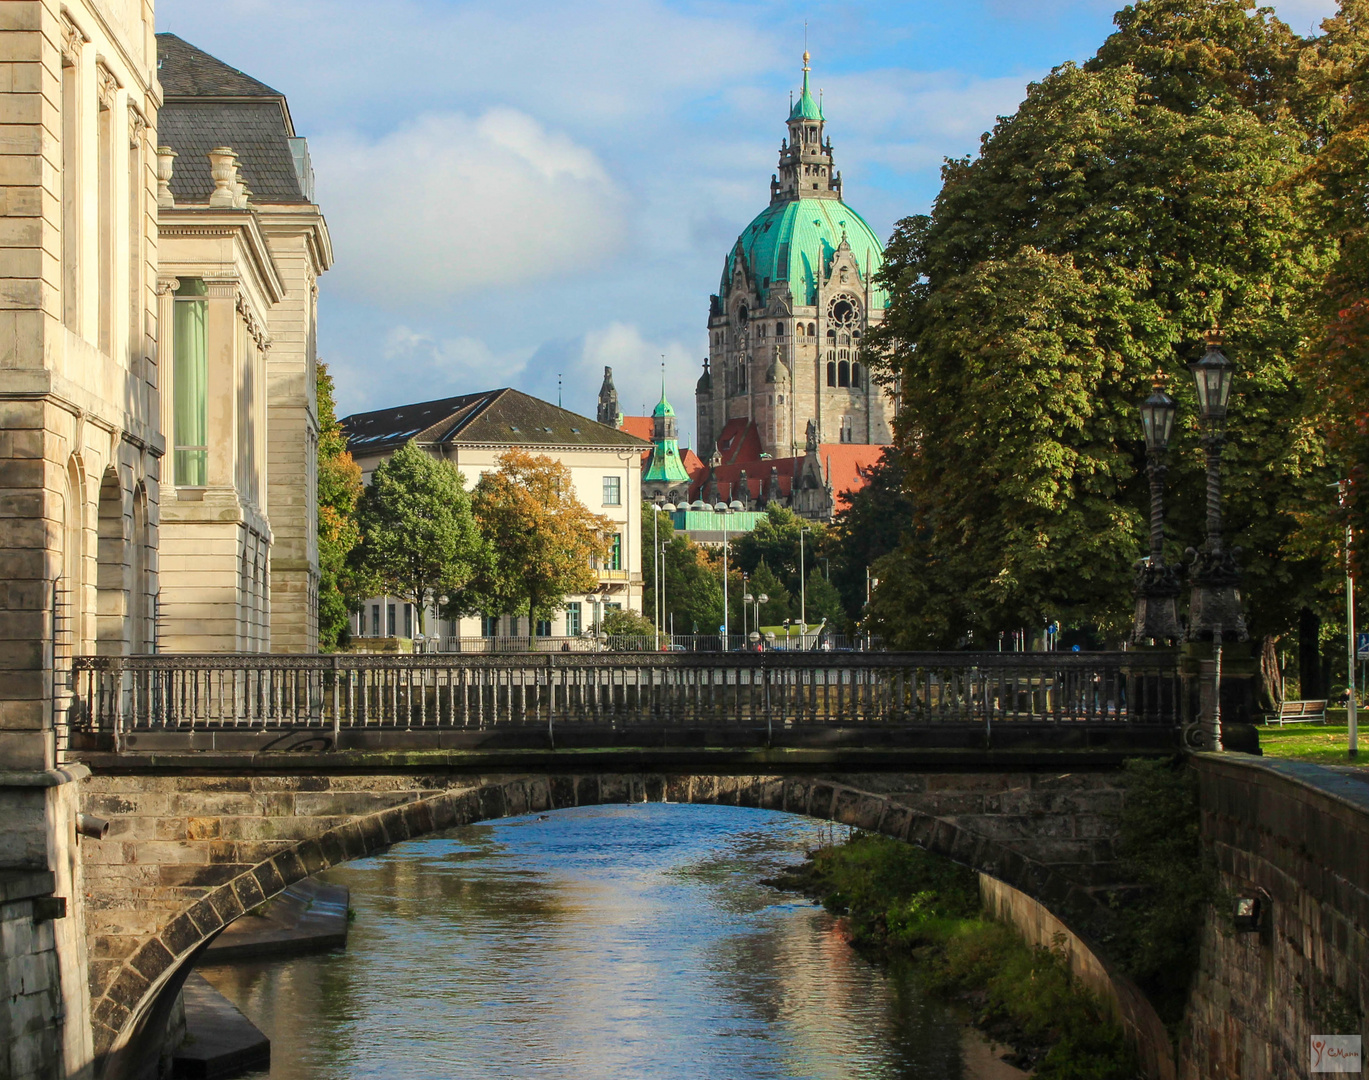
740,441
637,425
845,464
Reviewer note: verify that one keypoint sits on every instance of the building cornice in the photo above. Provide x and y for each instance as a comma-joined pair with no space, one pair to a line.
295,219
199,221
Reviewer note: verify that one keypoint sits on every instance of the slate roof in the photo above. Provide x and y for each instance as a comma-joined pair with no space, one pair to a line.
504,417
185,71
209,104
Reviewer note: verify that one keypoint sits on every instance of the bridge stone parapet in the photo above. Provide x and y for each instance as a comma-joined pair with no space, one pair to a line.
190,850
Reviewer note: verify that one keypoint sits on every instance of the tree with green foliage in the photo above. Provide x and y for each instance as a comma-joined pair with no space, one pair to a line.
338,492
1126,208
544,543
693,586
779,604
419,538
775,541
823,602
870,526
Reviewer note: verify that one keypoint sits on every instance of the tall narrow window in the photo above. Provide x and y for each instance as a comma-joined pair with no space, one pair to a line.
105,212
573,619
136,209
191,378
831,373
71,208
543,628
615,558
489,625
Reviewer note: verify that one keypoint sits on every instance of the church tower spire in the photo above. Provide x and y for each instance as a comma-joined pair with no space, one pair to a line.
608,401
805,159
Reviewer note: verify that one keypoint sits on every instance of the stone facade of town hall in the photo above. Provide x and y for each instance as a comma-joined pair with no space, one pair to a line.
796,297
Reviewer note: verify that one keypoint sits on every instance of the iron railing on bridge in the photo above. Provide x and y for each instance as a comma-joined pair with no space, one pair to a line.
118,696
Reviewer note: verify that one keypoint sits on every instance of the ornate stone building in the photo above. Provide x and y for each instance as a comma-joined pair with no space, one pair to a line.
796,297
242,247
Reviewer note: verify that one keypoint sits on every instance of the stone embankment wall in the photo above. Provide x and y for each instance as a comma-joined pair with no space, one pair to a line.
31,1008
1297,837
1130,1007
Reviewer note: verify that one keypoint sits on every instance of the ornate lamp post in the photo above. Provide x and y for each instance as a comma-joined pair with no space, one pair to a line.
1157,585
1215,602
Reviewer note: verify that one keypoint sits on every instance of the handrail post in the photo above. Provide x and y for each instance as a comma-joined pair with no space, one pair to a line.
117,673
337,692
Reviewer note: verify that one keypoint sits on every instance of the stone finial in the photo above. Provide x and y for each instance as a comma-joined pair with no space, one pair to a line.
223,167
166,160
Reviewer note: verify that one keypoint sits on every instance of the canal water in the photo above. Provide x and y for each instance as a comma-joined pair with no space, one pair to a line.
592,944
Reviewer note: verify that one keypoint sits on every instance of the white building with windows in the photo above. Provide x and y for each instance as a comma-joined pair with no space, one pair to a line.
472,432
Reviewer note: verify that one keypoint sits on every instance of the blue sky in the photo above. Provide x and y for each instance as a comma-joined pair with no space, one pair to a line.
538,188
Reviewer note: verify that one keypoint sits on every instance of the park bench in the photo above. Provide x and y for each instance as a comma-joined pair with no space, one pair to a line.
1302,712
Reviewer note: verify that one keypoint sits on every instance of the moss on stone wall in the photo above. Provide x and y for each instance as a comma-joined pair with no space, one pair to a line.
901,901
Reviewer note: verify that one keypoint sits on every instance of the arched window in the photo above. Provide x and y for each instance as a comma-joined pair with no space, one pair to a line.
831,373
779,329
855,374
741,378
812,329
831,337
843,374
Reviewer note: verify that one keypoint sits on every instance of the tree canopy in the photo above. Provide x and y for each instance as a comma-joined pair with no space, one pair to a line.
544,543
419,538
1125,209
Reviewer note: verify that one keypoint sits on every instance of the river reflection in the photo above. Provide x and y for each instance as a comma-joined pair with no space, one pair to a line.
589,944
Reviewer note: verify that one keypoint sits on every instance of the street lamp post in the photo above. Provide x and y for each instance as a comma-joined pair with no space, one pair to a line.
1215,601
723,509
658,565
1157,586
803,584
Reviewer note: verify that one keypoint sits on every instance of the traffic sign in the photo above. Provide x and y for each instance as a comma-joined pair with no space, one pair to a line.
1362,646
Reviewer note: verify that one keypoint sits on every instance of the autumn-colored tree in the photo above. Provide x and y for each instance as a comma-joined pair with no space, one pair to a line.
339,490
544,542
419,538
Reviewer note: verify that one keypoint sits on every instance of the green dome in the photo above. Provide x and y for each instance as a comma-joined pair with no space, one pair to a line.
663,408
783,242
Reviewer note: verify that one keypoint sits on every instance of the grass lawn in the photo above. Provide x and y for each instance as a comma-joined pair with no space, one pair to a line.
1315,743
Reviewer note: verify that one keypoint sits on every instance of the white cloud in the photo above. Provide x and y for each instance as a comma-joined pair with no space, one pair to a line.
449,203
636,363
416,366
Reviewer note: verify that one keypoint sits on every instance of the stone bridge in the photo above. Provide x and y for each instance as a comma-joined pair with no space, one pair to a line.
225,779
193,844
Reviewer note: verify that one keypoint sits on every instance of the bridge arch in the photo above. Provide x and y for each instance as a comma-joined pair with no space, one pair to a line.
131,1004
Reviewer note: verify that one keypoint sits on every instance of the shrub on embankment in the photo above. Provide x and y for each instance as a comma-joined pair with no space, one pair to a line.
1156,937
900,900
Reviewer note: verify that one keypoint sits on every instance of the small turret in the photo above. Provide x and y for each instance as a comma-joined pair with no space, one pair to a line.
805,157
608,401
